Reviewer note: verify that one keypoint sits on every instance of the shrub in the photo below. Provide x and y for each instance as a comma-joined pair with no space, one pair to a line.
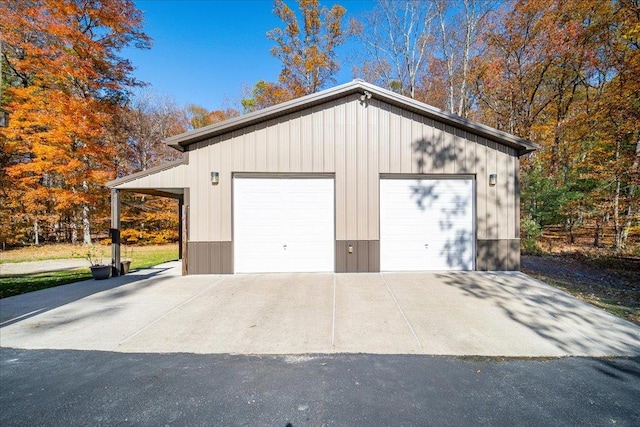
530,230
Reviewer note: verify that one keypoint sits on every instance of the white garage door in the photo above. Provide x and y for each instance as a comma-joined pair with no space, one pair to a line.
283,225
426,224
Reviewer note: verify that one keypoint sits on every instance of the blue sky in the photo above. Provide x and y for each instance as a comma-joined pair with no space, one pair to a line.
205,51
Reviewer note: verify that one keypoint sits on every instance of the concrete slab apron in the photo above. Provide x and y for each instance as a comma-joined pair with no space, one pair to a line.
248,314
467,313
507,314
368,318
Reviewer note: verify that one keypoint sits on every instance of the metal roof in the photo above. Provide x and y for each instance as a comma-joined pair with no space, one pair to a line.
147,172
179,142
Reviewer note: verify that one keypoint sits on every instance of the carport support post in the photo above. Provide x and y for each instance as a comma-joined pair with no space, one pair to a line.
184,254
180,205
115,232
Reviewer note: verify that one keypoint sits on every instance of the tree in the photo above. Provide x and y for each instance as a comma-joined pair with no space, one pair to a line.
565,74
199,116
142,126
397,40
459,37
615,118
527,46
265,94
307,46
63,80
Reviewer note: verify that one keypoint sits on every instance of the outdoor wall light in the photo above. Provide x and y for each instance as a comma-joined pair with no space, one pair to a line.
493,179
215,178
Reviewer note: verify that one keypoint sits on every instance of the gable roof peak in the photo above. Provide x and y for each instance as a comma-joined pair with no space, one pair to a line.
355,86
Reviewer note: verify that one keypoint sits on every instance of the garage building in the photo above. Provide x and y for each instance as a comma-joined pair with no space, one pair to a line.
355,178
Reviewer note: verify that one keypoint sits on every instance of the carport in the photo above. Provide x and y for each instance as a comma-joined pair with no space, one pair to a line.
152,181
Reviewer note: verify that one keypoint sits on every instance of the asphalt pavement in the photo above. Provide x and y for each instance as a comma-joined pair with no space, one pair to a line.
72,388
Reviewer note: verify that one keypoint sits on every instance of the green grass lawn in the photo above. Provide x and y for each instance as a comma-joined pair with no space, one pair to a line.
16,285
148,256
142,257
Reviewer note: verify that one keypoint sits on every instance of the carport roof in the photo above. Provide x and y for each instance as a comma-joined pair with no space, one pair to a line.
357,86
150,181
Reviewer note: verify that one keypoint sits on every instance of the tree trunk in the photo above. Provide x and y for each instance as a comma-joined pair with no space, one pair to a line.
616,200
471,20
86,225
36,238
447,58
74,231
633,197
570,225
616,217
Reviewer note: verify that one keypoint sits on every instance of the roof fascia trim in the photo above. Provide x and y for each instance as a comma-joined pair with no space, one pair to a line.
154,192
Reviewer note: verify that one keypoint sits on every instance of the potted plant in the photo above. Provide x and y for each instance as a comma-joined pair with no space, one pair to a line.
125,262
99,270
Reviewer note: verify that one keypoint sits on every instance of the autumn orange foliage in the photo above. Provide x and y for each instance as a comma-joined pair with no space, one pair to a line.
62,83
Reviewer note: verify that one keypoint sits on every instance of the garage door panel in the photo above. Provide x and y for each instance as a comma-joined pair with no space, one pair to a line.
258,258
283,224
426,224
304,257
455,253
402,255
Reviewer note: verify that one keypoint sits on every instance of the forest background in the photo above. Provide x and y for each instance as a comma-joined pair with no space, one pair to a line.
562,73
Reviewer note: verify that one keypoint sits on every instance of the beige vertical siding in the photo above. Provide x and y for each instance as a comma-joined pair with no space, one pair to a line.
356,142
438,149
373,169
471,146
482,185
340,155
384,149
406,141
494,193
502,204
362,174
350,172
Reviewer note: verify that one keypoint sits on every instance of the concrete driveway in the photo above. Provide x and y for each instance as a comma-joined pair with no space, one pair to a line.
462,313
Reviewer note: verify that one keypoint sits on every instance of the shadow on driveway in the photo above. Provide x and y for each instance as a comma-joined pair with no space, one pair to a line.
21,307
559,318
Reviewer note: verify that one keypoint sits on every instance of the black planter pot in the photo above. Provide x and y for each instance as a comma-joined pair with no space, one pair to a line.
100,272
